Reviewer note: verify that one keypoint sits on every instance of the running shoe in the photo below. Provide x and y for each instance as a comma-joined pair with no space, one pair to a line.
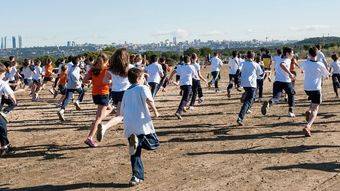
135,181
77,105
61,115
90,143
265,107
178,116
101,132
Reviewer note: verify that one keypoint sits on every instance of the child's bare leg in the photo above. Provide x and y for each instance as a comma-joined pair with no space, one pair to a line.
99,117
314,108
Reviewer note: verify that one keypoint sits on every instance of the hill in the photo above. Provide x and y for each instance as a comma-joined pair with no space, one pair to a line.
319,40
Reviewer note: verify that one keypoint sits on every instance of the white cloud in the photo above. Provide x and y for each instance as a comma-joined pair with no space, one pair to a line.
310,28
179,33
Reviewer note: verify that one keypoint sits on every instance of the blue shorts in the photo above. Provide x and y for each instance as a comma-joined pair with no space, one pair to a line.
101,100
28,82
116,97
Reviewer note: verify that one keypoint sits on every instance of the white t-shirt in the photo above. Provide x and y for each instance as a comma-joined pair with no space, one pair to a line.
313,74
234,65
59,67
5,89
37,73
280,74
336,67
216,64
277,59
321,57
249,74
186,73
135,111
73,77
11,76
119,83
197,69
27,72
154,71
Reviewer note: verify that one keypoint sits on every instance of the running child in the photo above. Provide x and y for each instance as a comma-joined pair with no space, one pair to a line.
155,74
314,73
100,95
249,73
138,126
37,77
27,73
335,69
267,62
186,73
321,56
166,69
234,72
61,83
196,82
74,84
47,74
216,65
5,91
260,80
117,76
283,81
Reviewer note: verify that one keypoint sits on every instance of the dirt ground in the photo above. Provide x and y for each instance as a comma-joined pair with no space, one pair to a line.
204,151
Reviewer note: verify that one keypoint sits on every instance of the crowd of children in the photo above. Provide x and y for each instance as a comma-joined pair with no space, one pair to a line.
127,85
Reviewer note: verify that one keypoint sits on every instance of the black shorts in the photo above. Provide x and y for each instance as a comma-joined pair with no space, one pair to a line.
267,69
101,100
116,97
62,89
314,96
47,79
37,82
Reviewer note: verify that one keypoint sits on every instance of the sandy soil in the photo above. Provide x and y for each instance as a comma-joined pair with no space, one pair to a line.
204,151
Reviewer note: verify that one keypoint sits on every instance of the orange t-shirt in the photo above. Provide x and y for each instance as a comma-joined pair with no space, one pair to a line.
62,78
99,87
48,70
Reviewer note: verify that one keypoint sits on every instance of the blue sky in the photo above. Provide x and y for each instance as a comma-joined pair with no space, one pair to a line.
51,22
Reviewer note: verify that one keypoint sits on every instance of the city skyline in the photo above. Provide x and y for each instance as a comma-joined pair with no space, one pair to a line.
49,23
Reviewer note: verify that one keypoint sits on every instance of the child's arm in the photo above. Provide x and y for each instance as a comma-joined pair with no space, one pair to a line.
153,107
202,78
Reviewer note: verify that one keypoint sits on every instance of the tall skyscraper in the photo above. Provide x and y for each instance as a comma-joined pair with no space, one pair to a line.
20,41
2,43
14,42
5,42
174,40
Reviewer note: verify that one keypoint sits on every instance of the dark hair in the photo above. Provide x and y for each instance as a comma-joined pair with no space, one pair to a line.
267,51
161,60
318,46
234,54
194,56
215,53
335,57
250,54
26,62
119,62
134,74
8,64
186,59
257,59
11,58
2,68
279,51
153,58
75,60
286,50
313,52
99,64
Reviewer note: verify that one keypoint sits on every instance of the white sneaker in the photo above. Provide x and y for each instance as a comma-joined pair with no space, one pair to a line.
249,111
191,108
135,181
61,115
101,132
291,114
133,143
77,105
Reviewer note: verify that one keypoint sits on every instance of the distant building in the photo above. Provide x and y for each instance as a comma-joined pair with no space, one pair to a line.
20,41
2,43
174,40
14,42
5,42
68,43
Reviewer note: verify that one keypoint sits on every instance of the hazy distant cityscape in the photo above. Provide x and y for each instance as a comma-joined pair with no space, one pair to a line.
15,46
